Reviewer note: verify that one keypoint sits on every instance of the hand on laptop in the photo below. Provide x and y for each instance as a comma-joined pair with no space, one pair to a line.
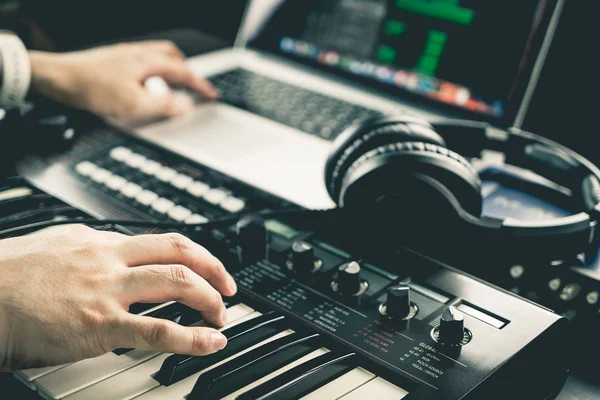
108,81
65,292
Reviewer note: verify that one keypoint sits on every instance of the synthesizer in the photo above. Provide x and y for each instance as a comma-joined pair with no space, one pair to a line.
319,314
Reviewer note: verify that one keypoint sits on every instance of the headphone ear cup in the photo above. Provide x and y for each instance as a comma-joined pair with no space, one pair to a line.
389,172
357,140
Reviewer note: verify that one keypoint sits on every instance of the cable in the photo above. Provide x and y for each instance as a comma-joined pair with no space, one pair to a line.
216,223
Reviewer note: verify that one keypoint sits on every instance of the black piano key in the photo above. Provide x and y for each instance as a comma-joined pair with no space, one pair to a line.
239,337
303,379
176,312
248,368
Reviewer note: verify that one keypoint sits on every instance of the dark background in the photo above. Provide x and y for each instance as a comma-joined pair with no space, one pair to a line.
563,108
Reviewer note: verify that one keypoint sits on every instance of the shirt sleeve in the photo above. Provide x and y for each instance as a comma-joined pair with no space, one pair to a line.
15,70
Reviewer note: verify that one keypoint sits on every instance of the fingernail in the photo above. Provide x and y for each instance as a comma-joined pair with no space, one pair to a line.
219,341
231,284
181,104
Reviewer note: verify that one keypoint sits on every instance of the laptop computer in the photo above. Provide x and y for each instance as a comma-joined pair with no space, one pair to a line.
300,72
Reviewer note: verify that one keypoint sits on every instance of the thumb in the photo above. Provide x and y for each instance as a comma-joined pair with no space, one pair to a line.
163,106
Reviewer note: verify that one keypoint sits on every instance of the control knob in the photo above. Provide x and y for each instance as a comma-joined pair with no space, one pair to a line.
348,281
252,239
451,330
398,305
302,259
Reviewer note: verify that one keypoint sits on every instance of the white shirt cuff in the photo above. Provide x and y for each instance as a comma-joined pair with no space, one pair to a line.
16,70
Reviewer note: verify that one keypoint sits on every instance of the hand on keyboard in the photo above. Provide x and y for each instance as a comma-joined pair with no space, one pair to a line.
65,294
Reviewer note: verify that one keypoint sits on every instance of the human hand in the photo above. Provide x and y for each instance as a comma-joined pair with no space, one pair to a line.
65,292
108,81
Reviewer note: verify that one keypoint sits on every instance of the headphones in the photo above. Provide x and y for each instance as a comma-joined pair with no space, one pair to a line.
422,181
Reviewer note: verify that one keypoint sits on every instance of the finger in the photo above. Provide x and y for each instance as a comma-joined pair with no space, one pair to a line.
173,248
178,72
149,105
164,46
167,337
160,283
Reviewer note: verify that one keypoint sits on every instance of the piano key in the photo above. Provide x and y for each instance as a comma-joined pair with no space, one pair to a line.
139,379
182,388
87,372
342,385
308,357
304,378
377,388
178,367
27,376
253,365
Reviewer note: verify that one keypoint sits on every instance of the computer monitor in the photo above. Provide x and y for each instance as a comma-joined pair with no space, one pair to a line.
480,58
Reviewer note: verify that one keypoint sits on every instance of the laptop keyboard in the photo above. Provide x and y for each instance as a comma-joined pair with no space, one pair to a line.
299,108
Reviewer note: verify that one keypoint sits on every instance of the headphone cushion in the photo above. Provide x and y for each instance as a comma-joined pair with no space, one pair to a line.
358,140
446,166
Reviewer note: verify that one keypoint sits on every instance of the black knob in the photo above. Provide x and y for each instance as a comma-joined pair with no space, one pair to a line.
302,259
252,239
348,278
398,302
452,327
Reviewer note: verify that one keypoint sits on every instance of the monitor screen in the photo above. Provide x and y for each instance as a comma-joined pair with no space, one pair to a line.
471,55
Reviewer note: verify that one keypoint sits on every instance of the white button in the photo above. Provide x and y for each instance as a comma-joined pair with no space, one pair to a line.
181,181
150,167
120,153
131,190
196,219
135,160
179,213
146,197
517,271
115,182
165,174
554,284
85,168
162,205
198,189
592,297
215,196
233,204
101,175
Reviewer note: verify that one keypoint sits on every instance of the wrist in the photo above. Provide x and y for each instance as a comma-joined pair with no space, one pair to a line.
49,75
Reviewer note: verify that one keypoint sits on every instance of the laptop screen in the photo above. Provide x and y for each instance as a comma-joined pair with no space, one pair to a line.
476,56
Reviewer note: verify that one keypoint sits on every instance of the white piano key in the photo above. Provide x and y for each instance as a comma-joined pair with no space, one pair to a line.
182,388
28,376
82,374
15,193
342,385
302,360
138,380
377,388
